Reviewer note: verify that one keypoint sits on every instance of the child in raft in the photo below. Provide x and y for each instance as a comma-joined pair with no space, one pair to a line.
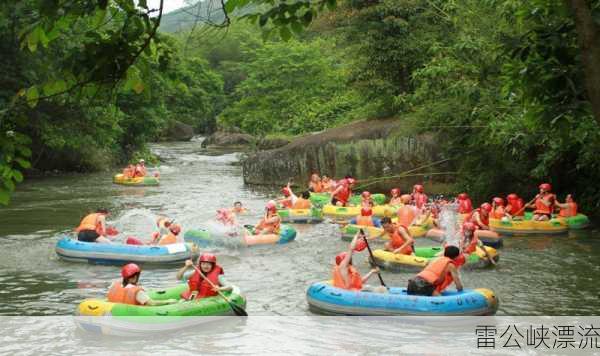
366,218
395,199
401,241
568,208
206,285
270,222
129,292
345,276
437,275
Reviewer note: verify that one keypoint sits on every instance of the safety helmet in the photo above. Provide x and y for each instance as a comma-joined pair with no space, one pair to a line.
463,196
546,187
419,188
365,195
395,192
285,191
512,196
129,270
271,205
498,201
208,257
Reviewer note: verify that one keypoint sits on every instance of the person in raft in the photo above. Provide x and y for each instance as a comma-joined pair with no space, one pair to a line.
129,171
498,209
544,203
289,198
345,276
568,208
366,218
172,237
395,197
469,241
199,287
270,222
407,214
434,278
514,207
327,184
465,206
92,227
366,201
418,196
140,169
238,208
303,201
226,217
315,185
401,241
129,292
343,191
481,216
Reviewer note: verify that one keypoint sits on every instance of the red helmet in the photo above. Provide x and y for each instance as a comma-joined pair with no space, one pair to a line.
419,188
463,196
395,192
175,229
130,270
208,257
546,187
340,257
512,196
469,226
498,201
487,207
366,212
271,205
285,191
365,195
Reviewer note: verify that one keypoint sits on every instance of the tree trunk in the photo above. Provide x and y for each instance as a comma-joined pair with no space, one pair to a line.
588,36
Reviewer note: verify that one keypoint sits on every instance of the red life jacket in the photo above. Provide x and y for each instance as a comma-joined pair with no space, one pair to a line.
465,206
197,283
354,276
498,213
345,193
485,220
397,240
515,206
420,199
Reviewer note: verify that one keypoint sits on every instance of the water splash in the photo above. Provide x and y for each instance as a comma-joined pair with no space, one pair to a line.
448,219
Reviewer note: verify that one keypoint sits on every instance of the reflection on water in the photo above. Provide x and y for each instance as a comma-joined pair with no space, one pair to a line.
536,275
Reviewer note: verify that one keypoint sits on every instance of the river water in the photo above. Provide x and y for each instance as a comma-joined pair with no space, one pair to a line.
536,275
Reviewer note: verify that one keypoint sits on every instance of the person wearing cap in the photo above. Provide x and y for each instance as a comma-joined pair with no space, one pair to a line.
270,222
544,203
433,279
92,227
128,291
345,276
199,285
498,209
140,169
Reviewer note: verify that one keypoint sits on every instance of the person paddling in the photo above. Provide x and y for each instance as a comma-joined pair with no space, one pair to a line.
432,280
129,292
199,287
568,208
345,276
401,241
92,227
270,222
544,203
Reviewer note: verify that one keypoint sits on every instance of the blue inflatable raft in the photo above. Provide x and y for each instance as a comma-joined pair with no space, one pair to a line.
78,251
325,299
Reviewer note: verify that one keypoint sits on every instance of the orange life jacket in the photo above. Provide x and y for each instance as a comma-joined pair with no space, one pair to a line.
406,215
124,295
540,208
355,278
287,203
168,239
484,220
364,220
498,213
301,203
91,222
458,262
435,272
197,283
570,210
273,227
316,187
397,240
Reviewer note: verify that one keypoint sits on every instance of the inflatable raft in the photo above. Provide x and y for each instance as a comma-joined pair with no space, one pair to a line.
301,216
70,249
400,263
579,221
350,230
323,298
488,237
529,227
101,316
322,199
348,212
137,181
203,238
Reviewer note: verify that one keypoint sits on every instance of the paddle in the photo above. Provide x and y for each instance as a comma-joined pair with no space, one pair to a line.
372,259
239,311
525,206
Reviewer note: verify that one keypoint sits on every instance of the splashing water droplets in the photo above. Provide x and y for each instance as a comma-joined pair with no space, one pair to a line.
449,222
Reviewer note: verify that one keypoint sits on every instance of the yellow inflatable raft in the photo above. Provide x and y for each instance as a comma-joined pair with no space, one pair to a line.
397,262
350,230
529,227
137,181
346,212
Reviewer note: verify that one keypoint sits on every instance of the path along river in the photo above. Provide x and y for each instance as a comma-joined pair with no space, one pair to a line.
536,275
